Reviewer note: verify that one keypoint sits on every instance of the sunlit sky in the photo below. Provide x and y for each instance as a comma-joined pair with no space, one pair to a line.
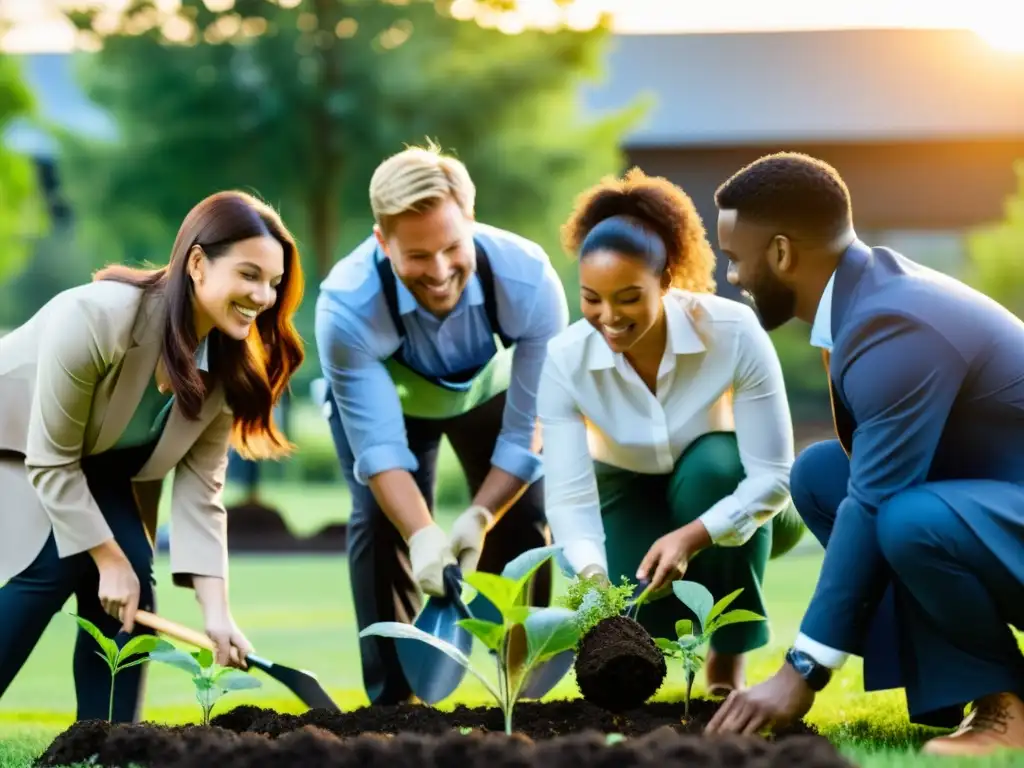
39,27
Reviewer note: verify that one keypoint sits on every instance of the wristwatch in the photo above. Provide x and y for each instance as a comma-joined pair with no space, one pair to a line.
814,674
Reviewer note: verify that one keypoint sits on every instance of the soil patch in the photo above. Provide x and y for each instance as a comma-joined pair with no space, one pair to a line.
618,665
547,734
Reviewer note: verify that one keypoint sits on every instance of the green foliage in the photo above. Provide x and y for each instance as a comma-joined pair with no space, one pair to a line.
300,104
994,253
593,602
526,637
138,650
23,216
711,616
211,682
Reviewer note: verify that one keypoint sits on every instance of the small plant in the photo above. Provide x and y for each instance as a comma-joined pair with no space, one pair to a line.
118,658
711,617
592,602
211,681
526,637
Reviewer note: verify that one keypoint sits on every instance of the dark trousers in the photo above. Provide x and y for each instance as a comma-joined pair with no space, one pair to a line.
941,630
30,599
638,509
383,588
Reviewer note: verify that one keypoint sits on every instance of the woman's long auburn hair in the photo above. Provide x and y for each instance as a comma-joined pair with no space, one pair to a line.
254,372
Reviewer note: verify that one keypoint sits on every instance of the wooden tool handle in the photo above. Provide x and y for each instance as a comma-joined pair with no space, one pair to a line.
171,629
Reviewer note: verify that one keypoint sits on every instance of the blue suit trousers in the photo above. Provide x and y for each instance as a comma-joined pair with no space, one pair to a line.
942,631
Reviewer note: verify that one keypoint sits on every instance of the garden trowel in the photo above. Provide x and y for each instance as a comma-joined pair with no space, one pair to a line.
432,674
303,684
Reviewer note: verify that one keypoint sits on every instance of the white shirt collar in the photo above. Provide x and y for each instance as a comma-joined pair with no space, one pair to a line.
821,331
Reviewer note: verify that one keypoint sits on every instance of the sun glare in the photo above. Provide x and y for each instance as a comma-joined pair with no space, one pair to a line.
1007,37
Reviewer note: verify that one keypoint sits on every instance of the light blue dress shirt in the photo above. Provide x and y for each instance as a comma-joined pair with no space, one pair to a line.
821,330
355,335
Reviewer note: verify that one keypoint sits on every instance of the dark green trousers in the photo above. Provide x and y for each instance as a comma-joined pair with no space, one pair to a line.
637,509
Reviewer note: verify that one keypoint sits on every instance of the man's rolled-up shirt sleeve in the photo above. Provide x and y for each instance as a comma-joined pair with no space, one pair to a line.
366,398
546,318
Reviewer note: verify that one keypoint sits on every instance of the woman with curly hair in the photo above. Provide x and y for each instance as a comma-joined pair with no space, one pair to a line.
109,387
666,428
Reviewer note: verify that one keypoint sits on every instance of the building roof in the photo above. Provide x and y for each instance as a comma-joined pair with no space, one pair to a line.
832,86
722,89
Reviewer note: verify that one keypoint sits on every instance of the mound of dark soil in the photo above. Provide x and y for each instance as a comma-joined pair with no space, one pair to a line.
153,746
618,665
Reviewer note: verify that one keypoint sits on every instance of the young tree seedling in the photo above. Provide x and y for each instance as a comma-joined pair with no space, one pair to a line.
526,637
118,658
593,602
211,681
711,616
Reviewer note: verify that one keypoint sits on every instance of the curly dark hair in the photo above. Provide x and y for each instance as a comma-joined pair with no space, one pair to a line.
648,217
790,190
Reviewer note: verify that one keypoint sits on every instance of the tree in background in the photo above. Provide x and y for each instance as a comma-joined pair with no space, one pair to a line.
995,253
22,207
298,100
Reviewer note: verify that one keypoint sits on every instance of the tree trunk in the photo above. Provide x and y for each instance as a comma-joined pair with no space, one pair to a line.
325,189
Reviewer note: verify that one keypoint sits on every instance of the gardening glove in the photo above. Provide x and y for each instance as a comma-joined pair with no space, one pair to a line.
429,554
596,574
467,536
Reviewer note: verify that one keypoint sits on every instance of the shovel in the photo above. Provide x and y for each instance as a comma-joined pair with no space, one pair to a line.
303,684
431,673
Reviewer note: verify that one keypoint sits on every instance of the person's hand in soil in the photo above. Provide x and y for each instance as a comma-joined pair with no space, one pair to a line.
467,536
668,557
777,702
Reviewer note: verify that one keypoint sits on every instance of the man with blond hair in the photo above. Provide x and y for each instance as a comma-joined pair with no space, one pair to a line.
435,326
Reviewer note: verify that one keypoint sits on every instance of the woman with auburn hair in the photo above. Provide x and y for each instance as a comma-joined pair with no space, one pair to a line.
666,428
108,388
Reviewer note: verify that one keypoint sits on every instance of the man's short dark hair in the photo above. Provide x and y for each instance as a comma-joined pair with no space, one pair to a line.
789,190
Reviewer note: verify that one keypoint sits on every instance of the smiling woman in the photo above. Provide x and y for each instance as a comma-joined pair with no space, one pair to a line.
666,428
108,388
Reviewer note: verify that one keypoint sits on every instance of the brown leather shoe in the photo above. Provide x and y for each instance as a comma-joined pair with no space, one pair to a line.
994,723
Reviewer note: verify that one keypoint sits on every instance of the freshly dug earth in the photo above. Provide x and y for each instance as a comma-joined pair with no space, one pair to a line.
549,733
618,665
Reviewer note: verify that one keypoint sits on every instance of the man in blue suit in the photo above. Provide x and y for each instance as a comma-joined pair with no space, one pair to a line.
919,503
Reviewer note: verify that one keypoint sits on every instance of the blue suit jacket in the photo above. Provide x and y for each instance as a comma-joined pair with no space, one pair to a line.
928,385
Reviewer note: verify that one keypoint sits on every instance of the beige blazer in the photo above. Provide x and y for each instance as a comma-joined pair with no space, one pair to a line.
70,380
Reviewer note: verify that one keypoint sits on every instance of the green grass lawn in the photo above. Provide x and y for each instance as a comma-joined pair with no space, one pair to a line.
297,610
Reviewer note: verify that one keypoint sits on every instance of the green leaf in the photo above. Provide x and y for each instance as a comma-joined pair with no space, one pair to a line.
487,632
179,659
695,597
203,683
107,644
613,738
517,613
144,644
722,604
684,627
235,680
734,617
526,564
549,631
400,631
665,644
686,642
500,591
135,663
204,657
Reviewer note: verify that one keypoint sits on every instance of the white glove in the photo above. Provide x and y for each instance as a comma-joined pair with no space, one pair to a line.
467,536
429,555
